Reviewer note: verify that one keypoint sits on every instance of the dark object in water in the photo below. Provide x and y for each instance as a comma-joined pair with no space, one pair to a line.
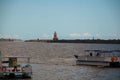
76,56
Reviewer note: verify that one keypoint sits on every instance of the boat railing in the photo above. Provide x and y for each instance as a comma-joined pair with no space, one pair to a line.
93,58
19,69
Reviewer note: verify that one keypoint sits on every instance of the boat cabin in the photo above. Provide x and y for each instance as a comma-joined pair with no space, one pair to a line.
102,53
99,57
10,68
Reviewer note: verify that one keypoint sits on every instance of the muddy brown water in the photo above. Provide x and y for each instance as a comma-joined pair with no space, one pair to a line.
55,61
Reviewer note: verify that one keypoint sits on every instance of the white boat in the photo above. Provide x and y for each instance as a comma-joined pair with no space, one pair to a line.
99,58
9,70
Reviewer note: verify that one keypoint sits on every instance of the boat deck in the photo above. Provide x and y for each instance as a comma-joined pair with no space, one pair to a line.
96,61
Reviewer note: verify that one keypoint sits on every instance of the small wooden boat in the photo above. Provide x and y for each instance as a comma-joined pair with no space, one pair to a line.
9,68
99,58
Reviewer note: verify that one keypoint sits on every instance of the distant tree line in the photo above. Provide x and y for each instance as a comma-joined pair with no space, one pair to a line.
112,41
3,39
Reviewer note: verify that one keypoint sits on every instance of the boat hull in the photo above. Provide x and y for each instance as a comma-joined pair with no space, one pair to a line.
96,61
92,63
15,75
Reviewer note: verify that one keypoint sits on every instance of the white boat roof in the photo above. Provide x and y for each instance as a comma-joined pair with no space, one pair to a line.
102,51
16,57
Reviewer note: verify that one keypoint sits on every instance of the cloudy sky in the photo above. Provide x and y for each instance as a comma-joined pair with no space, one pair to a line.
71,19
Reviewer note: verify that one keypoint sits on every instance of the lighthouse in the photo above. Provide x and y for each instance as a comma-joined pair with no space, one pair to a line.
55,36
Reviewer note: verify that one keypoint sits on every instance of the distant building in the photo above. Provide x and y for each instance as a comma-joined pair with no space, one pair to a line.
55,36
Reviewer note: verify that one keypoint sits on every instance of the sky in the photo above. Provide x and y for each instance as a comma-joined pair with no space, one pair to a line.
71,19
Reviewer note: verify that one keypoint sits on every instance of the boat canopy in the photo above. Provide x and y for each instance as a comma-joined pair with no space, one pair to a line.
11,59
16,57
105,53
102,51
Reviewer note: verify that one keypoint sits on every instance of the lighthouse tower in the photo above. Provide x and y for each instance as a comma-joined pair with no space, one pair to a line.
55,36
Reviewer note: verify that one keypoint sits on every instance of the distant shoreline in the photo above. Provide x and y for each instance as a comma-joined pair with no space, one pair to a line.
78,41
100,41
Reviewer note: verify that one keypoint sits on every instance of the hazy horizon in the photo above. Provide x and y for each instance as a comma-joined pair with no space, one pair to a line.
71,19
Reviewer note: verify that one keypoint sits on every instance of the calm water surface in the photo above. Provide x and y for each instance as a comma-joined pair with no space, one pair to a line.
55,61
63,72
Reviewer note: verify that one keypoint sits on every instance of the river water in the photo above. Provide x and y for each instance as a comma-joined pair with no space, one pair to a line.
55,61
